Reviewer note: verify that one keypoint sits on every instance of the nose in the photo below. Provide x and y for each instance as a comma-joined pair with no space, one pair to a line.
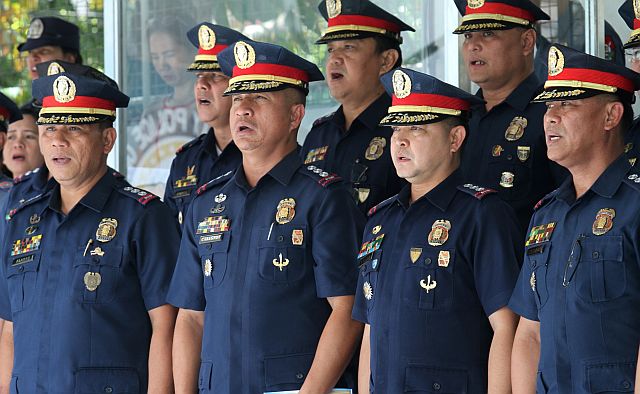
334,57
472,42
202,84
241,107
551,115
59,138
399,139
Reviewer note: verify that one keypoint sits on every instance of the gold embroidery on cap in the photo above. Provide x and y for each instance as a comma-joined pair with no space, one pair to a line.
334,8
401,84
206,37
54,68
244,54
555,61
64,90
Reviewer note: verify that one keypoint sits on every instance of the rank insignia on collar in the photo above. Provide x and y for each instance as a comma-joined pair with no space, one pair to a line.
26,245
375,149
506,179
439,232
515,131
604,221
632,161
371,246
106,229
443,258
628,146
414,254
540,234
34,219
208,267
189,180
367,290
532,281
213,224
316,154
376,229
497,150
286,210
297,237
523,153
92,280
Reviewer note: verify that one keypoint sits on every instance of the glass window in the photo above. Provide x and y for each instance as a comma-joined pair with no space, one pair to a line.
155,54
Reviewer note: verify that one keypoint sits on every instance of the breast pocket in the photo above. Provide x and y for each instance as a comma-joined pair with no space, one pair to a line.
512,174
281,253
429,282
96,274
601,275
537,260
22,277
213,261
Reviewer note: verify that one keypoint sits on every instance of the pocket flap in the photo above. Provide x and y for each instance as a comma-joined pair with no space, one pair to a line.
289,369
107,380
602,247
22,264
435,380
204,376
100,254
611,378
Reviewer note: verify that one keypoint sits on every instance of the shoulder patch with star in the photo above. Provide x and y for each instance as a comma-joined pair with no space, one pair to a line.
478,192
142,196
322,177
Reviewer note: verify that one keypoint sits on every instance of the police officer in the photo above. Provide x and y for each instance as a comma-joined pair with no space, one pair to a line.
630,12
579,289
9,113
87,263
266,271
363,42
439,260
213,153
506,149
51,38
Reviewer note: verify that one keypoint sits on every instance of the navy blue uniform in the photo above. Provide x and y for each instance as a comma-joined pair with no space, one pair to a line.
359,155
78,287
260,262
581,280
506,150
196,163
430,274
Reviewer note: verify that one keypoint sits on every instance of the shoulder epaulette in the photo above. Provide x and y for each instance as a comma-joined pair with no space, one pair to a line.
323,178
215,181
117,175
381,205
24,203
142,196
323,119
476,191
544,200
190,143
6,185
25,176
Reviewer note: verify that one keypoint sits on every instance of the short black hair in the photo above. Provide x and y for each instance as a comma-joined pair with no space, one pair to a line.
386,43
30,109
76,54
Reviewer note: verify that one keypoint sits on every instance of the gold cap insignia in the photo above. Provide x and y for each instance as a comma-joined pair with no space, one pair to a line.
54,68
92,280
208,267
334,8
367,289
515,131
35,29
286,210
414,254
401,84
439,232
555,61
64,90
636,8
106,229
244,54
604,221
206,37
475,3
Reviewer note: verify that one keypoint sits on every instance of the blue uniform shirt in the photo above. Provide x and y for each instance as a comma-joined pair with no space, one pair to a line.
260,262
581,280
78,287
5,187
360,155
632,139
506,150
430,274
196,163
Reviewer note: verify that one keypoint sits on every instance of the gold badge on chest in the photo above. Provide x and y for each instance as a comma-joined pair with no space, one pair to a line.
439,233
286,210
515,131
106,229
604,221
375,149
92,280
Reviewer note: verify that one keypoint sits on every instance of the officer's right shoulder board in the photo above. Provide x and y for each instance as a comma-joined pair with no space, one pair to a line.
25,176
544,200
381,205
190,144
476,191
323,119
215,181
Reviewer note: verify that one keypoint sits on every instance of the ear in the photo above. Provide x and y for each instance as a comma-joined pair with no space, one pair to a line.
3,138
295,116
528,41
389,59
614,112
108,139
457,136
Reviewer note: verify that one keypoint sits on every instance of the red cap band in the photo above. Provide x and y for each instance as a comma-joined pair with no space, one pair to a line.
432,100
80,101
636,24
594,76
272,69
502,9
360,20
5,113
213,51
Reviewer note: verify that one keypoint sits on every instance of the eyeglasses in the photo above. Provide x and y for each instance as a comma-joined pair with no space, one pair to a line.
632,55
572,261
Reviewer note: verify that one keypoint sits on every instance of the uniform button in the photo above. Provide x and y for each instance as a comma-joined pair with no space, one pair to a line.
299,376
108,389
436,386
21,268
427,261
595,255
626,384
509,157
280,238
